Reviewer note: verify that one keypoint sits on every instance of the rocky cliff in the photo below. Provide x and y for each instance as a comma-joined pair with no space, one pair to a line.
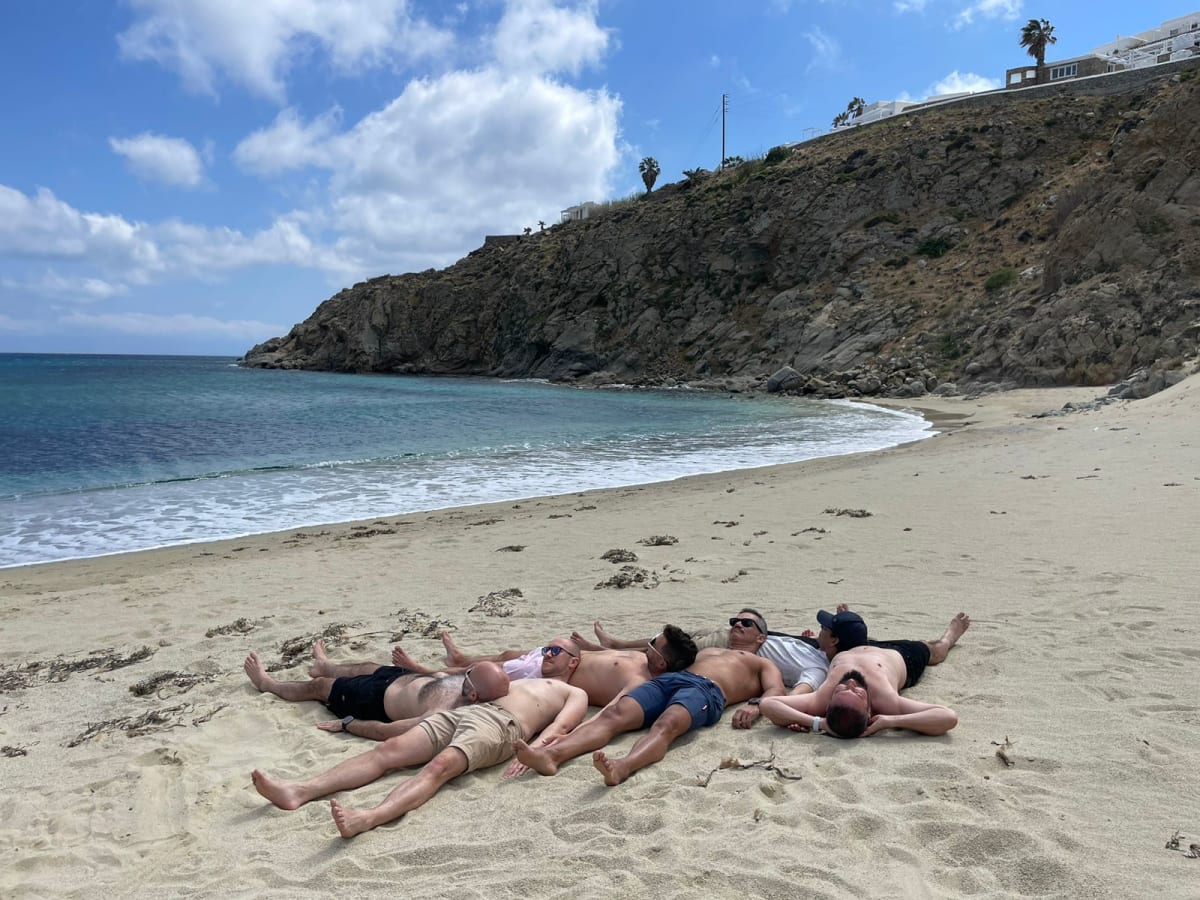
1032,238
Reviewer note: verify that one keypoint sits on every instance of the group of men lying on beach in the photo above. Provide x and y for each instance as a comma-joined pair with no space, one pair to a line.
481,711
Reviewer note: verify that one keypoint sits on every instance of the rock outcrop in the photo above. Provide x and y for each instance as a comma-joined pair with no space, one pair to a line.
1045,239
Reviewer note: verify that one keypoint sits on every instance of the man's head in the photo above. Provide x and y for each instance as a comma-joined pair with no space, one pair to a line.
560,658
849,710
484,682
747,630
844,630
672,650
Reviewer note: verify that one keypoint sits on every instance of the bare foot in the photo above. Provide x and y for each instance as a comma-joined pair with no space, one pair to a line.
284,794
612,770
584,642
401,658
454,656
349,821
957,628
939,649
842,607
257,672
538,760
606,639
320,666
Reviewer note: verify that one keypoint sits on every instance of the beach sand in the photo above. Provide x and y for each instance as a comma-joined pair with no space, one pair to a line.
1070,540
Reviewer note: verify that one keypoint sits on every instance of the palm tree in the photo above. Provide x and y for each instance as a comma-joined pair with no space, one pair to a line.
649,169
1036,36
855,107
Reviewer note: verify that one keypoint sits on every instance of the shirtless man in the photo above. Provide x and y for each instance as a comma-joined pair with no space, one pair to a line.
861,696
603,674
373,701
801,663
448,743
671,704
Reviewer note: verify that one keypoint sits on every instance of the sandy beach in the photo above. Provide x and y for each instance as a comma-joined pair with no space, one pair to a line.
130,730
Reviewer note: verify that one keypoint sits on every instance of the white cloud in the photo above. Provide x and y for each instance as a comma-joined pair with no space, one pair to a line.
288,143
826,52
52,284
906,6
962,83
536,36
150,324
166,160
417,182
255,43
988,9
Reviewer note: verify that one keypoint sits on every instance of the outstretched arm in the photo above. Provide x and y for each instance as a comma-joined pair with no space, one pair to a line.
568,717
932,720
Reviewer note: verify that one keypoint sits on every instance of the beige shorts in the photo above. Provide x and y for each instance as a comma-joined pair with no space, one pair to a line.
484,733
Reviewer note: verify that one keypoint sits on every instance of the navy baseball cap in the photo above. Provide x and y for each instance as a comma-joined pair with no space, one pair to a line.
847,628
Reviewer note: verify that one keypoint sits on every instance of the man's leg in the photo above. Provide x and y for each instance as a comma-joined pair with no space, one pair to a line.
457,659
611,643
448,764
939,648
409,749
650,747
313,689
616,718
323,667
401,657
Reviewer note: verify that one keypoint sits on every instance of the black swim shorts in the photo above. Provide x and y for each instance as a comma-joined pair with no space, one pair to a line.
361,696
915,655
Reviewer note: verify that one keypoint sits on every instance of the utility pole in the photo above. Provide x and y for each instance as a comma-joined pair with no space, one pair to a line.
724,109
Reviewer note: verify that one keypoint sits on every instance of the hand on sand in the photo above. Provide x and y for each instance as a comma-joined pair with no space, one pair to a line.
744,717
333,725
796,726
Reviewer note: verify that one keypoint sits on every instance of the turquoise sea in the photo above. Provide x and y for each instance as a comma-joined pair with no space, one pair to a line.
103,454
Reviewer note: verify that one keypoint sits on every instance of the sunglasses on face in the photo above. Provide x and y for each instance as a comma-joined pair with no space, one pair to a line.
554,651
745,623
468,688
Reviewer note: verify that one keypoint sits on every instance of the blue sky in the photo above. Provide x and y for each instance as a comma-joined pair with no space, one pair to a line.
194,176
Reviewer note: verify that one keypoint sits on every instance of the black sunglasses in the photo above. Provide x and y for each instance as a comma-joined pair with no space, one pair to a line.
554,651
745,623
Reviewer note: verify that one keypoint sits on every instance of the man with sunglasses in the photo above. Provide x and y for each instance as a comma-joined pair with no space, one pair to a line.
861,697
372,701
671,705
446,745
800,661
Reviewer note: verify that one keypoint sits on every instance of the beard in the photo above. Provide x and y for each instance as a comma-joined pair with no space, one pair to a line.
853,675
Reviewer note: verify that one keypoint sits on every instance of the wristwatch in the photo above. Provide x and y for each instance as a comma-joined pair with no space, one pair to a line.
345,722
754,701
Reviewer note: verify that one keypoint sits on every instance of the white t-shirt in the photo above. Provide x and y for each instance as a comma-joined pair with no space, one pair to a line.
800,663
527,666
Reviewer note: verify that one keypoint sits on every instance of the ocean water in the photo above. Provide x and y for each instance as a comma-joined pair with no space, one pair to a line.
104,454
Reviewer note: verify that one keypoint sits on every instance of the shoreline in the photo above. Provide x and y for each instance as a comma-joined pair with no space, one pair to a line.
1066,539
342,523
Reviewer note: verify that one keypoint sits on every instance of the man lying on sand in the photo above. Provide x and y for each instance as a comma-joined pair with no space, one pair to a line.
603,674
672,704
800,662
861,696
846,630
449,743
373,701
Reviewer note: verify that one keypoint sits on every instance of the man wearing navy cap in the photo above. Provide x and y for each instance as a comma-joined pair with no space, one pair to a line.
845,630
